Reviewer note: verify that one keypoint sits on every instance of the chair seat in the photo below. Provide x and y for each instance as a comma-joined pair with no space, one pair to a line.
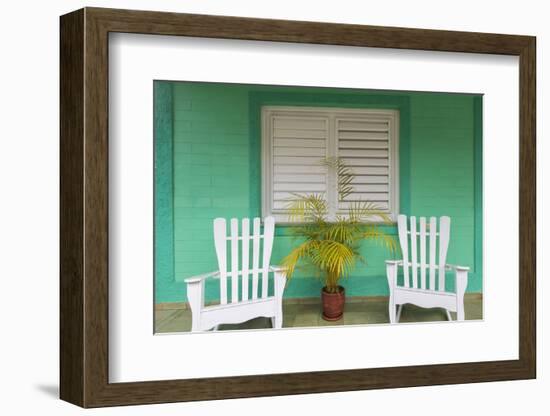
235,313
425,298
427,291
242,303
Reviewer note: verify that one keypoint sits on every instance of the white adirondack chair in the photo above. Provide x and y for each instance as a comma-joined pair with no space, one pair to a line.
249,305
419,276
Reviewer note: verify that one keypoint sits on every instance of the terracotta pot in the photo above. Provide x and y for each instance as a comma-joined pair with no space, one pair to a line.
333,304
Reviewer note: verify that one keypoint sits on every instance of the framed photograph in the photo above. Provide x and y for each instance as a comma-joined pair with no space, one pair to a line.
255,207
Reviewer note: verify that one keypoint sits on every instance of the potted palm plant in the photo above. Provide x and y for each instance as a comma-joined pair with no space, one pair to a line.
331,245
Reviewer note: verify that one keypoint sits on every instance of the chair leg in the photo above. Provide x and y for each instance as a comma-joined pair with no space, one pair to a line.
461,283
391,274
277,321
391,311
460,312
399,309
280,282
195,295
448,315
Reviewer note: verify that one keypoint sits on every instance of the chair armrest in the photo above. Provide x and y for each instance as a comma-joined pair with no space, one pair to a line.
276,269
457,268
394,262
200,277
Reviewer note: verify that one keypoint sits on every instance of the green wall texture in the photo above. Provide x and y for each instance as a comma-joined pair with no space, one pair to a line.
212,164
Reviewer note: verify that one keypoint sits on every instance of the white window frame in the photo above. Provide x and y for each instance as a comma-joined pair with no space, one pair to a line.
333,114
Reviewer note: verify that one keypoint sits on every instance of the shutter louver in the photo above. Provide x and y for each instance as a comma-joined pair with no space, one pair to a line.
299,144
364,146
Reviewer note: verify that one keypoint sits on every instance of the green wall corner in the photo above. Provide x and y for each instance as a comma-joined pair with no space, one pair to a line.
476,285
164,187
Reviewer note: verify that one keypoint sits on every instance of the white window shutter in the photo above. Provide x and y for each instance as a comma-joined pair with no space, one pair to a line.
297,144
364,145
296,139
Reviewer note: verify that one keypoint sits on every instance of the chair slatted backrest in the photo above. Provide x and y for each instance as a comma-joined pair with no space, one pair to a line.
418,239
262,245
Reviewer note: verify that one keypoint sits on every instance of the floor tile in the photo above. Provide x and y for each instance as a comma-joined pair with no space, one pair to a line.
322,322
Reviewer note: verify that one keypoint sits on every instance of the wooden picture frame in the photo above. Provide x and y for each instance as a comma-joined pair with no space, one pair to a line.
84,207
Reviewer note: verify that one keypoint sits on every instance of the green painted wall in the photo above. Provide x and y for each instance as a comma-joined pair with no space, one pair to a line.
216,172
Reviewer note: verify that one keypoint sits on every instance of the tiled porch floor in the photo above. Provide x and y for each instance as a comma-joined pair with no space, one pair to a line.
308,314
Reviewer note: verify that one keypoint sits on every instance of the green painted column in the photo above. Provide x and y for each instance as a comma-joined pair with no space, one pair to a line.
477,284
164,202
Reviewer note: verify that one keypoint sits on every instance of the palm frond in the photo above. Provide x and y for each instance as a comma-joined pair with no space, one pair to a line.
302,251
334,257
365,211
344,175
378,236
344,231
307,208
